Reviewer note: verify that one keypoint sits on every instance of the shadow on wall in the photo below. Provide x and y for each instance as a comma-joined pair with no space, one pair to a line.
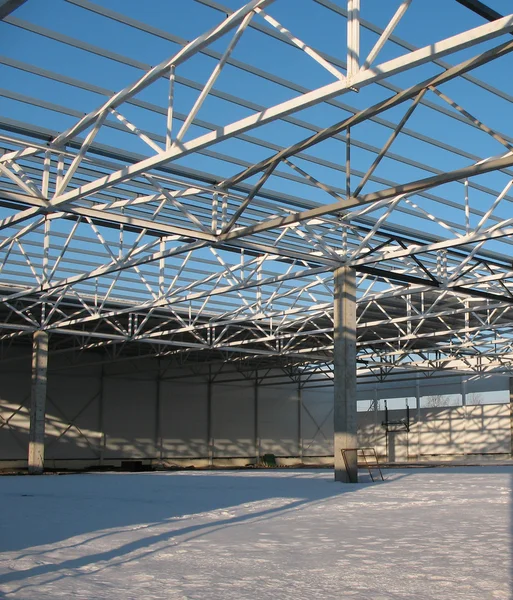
79,426
68,440
145,409
441,432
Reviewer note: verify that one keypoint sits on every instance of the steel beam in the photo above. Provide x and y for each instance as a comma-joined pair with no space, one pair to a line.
419,57
156,72
481,9
405,189
380,107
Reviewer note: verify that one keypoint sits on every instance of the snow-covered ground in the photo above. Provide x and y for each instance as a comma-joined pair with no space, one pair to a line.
424,533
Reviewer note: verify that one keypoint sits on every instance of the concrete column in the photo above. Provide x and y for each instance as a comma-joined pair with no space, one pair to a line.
300,420
463,389
511,412
344,359
210,437
419,414
36,451
101,417
159,446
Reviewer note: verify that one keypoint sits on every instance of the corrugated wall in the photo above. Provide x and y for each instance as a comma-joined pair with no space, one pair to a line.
437,433
138,410
105,414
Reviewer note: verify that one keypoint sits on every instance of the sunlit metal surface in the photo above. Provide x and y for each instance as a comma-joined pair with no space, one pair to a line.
199,206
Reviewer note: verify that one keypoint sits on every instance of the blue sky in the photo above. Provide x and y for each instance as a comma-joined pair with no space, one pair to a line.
306,19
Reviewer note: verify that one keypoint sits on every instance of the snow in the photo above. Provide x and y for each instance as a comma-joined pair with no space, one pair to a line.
423,534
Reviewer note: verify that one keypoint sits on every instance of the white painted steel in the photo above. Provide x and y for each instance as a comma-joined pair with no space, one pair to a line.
136,249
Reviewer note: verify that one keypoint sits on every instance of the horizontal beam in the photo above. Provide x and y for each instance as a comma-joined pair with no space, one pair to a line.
481,9
404,190
363,78
493,233
156,72
364,115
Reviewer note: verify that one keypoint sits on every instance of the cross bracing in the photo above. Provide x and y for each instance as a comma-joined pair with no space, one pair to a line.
202,204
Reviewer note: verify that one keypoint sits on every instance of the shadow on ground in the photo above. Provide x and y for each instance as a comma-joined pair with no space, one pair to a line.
43,511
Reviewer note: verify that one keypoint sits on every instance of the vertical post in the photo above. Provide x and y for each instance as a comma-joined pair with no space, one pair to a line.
353,38
36,453
46,250
103,439
46,174
215,203
419,414
344,359
375,400
511,411
259,287
255,417
467,208
348,162
162,270
463,387
210,439
170,108
158,414
377,429
60,172
300,420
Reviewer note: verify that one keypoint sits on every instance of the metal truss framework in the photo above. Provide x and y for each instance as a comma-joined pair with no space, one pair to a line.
145,225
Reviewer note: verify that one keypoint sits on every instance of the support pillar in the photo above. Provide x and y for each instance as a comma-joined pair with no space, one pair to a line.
159,446
101,417
511,413
256,418
419,415
36,451
300,420
344,359
210,437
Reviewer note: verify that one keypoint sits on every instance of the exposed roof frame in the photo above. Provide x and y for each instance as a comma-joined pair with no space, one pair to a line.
9,6
481,9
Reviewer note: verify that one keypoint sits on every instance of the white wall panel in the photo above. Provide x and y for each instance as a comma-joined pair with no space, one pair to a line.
73,416
148,411
233,419
371,434
130,417
278,420
442,431
487,384
183,424
488,429
317,421
14,413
